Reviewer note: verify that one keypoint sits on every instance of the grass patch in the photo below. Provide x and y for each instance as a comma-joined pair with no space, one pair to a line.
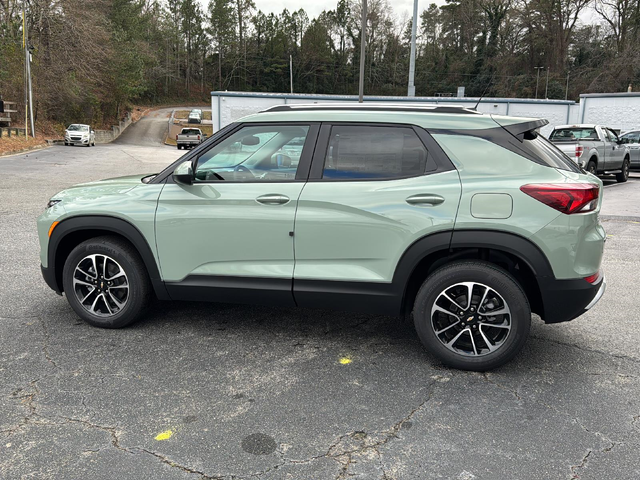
180,114
14,144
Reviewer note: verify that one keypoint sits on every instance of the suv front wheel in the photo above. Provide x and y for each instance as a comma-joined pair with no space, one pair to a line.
106,283
472,315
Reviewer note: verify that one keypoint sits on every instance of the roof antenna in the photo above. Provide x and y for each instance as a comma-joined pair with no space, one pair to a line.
485,91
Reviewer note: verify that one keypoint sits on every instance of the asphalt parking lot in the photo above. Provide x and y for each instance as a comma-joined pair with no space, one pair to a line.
239,392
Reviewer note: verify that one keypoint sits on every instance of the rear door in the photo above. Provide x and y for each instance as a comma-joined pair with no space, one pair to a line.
373,190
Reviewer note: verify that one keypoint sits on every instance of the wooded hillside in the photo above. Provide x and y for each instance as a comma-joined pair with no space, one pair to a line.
93,57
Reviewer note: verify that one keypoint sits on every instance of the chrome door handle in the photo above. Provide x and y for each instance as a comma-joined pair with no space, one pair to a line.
273,199
427,199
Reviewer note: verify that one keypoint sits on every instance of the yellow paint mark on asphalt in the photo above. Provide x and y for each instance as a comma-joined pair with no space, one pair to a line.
166,435
345,360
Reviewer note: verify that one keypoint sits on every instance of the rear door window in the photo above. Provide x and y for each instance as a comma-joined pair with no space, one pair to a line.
374,152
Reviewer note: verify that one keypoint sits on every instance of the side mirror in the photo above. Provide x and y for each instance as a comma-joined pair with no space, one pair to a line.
183,174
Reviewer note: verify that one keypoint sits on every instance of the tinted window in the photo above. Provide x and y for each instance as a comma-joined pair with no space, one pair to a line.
548,153
631,137
259,153
572,134
365,152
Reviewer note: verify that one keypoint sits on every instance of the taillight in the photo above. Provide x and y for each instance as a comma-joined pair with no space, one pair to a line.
594,278
579,150
198,137
176,138
566,198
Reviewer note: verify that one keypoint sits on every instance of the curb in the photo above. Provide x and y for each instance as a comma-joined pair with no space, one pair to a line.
24,150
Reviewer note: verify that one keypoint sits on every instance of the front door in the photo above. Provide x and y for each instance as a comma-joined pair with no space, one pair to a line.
231,231
373,191
615,153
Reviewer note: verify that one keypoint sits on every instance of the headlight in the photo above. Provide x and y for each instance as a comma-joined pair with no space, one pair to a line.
52,202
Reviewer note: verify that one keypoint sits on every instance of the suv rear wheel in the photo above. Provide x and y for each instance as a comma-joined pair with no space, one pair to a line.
106,282
472,315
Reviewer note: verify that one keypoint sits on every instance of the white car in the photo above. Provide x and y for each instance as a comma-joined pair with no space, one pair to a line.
79,134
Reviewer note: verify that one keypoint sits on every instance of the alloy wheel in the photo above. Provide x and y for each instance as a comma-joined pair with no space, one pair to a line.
101,285
471,319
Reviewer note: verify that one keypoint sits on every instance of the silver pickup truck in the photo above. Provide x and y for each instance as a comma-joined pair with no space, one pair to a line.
189,137
595,148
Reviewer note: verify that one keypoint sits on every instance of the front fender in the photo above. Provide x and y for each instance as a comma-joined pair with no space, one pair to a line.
96,225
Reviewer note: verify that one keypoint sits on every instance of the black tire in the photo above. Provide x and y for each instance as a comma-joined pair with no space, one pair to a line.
623,176
497,280
179,147
128,259
592,167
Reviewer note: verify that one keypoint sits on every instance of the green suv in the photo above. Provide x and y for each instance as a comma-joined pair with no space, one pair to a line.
466,222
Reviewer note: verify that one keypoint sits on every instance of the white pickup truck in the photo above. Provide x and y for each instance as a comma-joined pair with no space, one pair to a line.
189,138
596,148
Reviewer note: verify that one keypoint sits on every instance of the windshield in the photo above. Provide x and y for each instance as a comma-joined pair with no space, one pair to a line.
78,128
573,134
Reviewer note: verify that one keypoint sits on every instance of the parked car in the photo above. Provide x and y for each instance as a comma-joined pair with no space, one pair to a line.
465,222
595,148
195,116
189,138
632,141
79,134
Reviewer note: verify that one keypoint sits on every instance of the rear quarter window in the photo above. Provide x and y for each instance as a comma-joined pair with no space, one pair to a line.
548,153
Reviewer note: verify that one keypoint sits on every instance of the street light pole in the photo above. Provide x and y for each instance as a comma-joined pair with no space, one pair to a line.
546,86
291,72
411,91
363,41
538,79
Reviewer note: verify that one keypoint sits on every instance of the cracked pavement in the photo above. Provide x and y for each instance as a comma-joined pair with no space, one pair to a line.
258,392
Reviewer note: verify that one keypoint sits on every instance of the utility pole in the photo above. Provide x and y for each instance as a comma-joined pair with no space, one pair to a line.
26,85
291,72
546,86
33,128
566,92
363,42
538,79
411,91
28,94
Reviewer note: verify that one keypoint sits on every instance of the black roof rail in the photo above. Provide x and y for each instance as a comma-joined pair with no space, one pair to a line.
371,107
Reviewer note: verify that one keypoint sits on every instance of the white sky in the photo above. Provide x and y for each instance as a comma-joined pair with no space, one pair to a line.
314,7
